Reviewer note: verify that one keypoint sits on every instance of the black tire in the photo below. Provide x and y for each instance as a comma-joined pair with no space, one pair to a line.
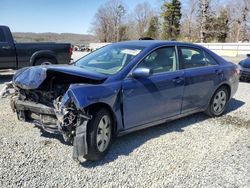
93,129
211,110
44,61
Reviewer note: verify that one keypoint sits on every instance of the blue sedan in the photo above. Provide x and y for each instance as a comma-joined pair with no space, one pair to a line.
244,66
121,88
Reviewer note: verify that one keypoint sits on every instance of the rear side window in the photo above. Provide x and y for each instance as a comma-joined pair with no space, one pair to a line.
210,59
2,37
193,58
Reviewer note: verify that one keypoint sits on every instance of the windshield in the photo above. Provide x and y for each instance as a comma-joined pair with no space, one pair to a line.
109,59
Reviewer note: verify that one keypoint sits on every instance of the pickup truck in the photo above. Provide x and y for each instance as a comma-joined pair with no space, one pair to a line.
17,55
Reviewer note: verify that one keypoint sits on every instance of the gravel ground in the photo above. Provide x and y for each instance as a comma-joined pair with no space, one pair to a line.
195,151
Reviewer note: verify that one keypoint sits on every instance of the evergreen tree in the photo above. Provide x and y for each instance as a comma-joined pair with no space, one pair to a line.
153,28
221,26
213,28
171,14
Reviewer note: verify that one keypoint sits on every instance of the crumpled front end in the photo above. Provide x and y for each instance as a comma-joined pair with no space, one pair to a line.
64,118
47,104
72,124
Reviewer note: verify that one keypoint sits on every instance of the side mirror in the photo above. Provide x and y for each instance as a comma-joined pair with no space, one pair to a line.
141,72
248,55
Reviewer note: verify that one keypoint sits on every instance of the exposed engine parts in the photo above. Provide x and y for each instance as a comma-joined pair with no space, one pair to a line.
67,119
72,123
43,108
45,96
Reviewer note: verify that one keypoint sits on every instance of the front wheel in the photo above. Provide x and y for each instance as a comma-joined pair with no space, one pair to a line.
99,132
218,102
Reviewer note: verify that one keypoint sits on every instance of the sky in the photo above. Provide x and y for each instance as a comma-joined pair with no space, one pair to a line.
60,16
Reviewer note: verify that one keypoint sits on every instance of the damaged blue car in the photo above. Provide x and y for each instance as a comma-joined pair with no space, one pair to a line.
121,88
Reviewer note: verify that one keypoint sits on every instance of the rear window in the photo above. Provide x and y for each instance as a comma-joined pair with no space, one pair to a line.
2,37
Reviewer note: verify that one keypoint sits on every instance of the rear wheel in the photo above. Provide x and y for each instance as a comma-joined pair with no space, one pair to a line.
44,61
218,102
99,132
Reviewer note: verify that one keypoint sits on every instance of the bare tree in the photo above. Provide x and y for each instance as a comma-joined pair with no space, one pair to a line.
117,11
204,18
190,17
238,20
142,15
108,21
131,29
102,25
244,19
189,23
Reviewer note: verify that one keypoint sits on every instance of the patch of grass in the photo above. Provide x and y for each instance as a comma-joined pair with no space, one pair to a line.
233,120
236,59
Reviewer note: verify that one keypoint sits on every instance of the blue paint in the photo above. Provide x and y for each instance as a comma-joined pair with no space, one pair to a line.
148,100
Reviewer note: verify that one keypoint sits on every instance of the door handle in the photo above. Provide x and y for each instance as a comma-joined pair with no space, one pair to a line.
6,47
178,80
218,72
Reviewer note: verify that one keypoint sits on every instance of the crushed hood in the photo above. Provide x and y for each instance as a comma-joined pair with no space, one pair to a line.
33,77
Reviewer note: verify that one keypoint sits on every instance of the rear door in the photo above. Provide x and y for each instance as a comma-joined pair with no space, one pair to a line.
7,52
202,74
155,97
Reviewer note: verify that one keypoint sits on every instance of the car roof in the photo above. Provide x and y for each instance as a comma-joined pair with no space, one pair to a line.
154,43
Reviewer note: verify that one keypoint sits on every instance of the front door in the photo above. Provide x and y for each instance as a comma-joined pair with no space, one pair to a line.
155,97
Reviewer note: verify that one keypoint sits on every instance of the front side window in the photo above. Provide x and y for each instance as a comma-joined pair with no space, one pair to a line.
109,59
192,58
161,60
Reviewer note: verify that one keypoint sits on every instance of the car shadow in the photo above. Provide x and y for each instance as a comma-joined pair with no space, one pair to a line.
5,78
233,105
123,146
59,137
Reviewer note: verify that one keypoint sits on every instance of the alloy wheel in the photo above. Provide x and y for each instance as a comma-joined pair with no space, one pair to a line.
219,102
103,133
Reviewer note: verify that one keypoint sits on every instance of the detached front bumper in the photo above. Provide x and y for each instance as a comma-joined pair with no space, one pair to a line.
72,125
39,114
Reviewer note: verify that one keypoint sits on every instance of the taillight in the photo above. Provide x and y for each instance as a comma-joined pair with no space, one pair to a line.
237,70
70,51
